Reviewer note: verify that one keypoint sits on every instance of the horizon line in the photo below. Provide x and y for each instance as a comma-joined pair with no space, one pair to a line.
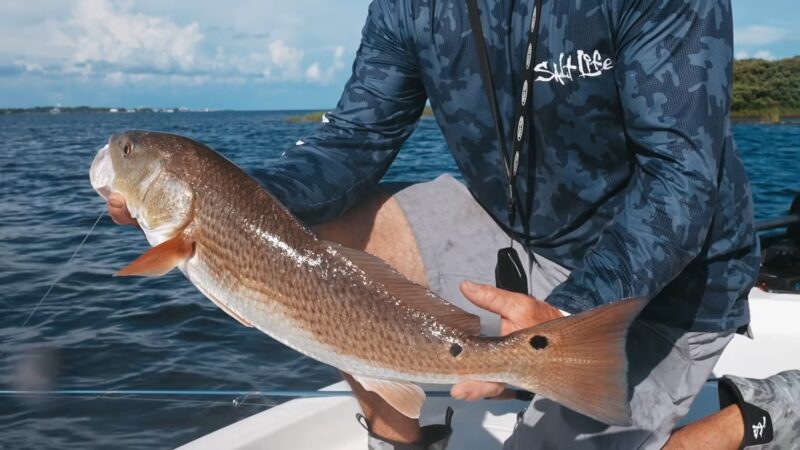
122,109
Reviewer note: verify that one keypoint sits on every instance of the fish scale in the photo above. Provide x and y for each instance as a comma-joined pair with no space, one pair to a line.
311,303
247,253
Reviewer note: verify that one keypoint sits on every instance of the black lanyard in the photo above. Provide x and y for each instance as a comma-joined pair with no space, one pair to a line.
509,272
523,121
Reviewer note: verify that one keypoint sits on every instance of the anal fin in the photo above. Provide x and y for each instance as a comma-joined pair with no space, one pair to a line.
403,396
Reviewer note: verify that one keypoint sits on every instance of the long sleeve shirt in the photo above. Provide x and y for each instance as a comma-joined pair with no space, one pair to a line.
632,180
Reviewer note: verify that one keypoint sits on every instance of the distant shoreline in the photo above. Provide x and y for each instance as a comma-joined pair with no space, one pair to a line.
763,115
100,110
766,115
766,91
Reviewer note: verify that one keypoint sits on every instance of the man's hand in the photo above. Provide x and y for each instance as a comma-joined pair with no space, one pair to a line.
118,211
517,311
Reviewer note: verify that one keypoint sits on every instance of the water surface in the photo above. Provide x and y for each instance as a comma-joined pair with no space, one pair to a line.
132,333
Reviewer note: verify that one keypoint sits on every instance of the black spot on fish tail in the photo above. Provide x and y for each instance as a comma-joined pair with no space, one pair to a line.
539,342
455,349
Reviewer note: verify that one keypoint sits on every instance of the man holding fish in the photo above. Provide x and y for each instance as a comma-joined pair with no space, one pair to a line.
621,182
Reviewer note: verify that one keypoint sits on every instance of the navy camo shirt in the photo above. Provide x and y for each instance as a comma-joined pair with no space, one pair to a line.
633,183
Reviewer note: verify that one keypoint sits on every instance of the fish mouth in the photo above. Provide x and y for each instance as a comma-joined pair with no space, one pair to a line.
102,173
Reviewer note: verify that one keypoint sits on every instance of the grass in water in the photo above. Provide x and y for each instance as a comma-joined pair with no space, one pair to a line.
315,116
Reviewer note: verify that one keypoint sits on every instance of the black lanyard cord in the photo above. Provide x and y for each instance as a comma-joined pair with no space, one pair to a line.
522,124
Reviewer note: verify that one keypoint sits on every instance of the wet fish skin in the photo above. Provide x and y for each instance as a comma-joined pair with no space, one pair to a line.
242,249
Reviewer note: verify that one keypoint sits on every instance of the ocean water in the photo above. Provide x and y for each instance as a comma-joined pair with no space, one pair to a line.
99,332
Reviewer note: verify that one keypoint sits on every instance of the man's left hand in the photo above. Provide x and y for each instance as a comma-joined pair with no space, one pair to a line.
517,311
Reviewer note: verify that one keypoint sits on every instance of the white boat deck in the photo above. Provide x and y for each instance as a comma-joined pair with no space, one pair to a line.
329,423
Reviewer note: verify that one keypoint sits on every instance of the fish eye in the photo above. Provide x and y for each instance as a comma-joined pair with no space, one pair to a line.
126,149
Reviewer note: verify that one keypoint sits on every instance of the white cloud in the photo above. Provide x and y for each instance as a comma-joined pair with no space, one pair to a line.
285,58
124,39
115,78
286,61
314,73
338,57
110,41
759,54
764,54
755,35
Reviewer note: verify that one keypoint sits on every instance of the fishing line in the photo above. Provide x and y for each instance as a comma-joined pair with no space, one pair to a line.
240,396
189,393
233,403
158,395
63,270
60,273
88,398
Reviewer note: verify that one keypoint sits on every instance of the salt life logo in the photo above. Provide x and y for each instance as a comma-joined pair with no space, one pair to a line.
585,66
758,429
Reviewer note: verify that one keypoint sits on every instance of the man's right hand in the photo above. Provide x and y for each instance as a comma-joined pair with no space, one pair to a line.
118,211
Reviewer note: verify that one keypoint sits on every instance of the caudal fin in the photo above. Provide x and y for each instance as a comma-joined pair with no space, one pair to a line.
580,361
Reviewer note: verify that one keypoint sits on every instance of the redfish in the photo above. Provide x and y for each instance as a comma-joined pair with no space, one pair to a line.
246,252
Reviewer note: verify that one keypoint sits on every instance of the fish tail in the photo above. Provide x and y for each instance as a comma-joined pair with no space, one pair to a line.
580,361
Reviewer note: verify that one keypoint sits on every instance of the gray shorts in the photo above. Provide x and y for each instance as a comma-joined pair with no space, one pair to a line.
458,240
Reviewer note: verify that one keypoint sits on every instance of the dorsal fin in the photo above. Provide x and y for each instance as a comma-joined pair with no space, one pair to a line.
411,294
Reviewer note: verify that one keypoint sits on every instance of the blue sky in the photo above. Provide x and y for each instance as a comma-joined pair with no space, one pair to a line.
237,54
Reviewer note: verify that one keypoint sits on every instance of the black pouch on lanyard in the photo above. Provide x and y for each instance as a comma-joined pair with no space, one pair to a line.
509,272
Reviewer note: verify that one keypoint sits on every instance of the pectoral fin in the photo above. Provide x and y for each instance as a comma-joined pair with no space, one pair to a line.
403,396
160,259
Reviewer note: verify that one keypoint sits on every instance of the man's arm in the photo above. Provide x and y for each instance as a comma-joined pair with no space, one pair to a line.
673,71
377,112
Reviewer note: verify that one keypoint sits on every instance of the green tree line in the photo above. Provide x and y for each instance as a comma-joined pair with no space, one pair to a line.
766,90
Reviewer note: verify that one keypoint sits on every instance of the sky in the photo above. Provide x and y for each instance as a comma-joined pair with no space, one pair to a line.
234,54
